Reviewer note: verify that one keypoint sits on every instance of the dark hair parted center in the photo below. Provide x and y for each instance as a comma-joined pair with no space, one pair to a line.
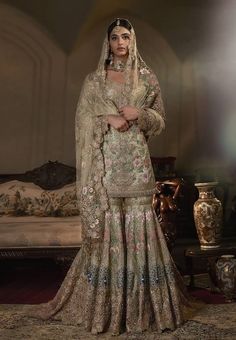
119,22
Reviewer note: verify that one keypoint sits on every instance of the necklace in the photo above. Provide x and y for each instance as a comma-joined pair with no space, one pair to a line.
118,66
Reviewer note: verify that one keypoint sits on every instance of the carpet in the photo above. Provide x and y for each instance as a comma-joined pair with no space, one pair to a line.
211,322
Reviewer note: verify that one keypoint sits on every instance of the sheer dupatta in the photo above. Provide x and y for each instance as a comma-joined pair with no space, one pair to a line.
91,125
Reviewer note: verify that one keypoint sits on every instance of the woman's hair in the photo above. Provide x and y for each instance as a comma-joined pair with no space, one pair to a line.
119,22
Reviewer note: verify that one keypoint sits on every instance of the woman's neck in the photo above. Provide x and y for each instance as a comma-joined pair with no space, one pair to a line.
118,64
121,59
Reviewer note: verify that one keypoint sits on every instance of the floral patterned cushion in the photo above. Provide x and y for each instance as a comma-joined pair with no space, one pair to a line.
32,200
64,201
20,198
8,198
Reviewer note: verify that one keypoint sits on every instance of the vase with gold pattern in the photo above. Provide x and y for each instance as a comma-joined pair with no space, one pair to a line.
208,215
226,276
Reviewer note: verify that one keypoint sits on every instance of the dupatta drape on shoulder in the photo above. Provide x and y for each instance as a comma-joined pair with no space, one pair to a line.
91,125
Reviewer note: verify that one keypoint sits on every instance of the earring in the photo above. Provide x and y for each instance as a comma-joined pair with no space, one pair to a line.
111,58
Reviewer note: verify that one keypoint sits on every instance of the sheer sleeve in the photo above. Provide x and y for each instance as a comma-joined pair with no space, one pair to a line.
151,118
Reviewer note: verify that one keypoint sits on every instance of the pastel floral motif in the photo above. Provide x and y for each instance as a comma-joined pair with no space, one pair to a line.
115,249
96,144
130,237
117,217
94,235
153,80
138,246
107,234
146,162
149,215
137,162
144,71
152,93
145,177
128,218
108,162
140,216
108,215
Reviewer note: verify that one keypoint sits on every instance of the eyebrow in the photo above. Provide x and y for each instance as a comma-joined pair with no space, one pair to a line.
116,35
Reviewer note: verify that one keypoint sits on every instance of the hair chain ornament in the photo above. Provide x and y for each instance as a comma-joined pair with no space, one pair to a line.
117,22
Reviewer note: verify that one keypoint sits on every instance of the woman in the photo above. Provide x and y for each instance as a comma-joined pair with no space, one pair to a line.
123,278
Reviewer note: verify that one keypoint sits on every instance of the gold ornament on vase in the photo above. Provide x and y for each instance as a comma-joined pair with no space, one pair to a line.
208,214
226,276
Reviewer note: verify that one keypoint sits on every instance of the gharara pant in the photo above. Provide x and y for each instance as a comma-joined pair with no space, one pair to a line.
127,282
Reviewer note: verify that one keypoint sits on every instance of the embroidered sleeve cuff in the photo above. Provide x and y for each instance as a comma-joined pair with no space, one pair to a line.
150,122
142,120
102,123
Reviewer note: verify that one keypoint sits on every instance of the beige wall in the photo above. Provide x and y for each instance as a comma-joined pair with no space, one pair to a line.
40,84
32,94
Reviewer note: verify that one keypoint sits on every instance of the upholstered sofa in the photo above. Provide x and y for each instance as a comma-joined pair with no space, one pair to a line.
39,215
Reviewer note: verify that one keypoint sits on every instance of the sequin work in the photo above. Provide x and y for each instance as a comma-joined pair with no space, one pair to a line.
126,283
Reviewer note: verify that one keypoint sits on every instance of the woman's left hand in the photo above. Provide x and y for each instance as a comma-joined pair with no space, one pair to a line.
129,112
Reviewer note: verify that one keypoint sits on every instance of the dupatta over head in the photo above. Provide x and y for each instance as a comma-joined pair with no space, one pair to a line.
90,127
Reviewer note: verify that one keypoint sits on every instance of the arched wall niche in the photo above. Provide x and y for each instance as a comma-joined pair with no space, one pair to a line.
32,93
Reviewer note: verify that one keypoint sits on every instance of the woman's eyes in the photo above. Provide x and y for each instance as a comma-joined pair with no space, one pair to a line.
125,37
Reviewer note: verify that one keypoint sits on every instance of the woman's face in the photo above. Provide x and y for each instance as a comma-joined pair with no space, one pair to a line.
119,41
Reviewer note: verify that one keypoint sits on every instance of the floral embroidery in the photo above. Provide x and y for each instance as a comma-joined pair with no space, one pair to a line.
128,169
93,201
152,115
144,71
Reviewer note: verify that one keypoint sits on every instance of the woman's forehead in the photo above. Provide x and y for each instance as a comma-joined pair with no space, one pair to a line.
118,30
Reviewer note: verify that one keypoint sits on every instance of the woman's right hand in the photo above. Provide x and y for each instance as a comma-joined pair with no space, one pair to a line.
117,122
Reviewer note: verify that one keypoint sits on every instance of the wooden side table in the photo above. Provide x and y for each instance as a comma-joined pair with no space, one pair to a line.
211,255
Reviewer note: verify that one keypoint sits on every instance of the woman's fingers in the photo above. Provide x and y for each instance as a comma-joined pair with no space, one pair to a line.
124,127
119,123
128,112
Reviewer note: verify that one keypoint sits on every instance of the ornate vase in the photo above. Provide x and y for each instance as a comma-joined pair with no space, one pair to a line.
226,276
208,215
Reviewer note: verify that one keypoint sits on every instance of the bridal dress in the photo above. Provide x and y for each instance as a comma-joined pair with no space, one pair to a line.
123,278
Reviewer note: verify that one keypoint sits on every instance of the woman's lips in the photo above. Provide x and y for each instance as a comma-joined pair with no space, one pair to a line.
120,48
